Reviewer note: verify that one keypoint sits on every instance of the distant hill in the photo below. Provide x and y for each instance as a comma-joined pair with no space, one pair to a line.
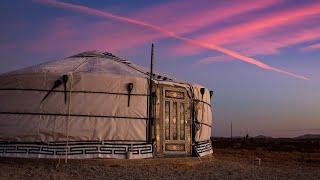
309,136
241,137
262,137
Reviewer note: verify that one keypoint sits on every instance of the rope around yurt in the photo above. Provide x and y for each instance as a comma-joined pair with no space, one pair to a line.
68,117
69,105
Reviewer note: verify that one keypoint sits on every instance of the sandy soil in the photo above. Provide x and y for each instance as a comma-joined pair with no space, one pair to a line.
224,164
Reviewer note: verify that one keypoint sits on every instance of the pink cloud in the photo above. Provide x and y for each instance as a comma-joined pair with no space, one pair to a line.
64,34
107,15
241,57
269,43
188,17
311,47
188,21
273,43
255,36
214,59
191,16
261,25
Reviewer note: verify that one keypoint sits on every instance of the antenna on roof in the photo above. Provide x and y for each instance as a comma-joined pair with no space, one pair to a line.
150,108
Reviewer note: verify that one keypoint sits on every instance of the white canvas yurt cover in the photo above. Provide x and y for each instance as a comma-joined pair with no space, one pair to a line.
91,105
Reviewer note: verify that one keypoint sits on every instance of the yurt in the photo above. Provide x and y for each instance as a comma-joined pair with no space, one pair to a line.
97,105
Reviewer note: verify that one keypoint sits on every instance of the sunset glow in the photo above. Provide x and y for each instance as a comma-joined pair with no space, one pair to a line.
211,42
198,43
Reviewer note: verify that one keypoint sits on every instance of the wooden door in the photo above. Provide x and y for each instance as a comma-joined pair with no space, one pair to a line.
176,122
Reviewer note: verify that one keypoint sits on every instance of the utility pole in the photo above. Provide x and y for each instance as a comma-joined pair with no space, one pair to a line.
231,130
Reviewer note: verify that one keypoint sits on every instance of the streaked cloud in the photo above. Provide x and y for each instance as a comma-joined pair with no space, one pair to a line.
258,35
262,24
214,59
70,36
312,47
210,46
272,43
191,16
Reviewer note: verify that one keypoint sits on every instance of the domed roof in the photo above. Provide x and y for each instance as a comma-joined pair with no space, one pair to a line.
95,62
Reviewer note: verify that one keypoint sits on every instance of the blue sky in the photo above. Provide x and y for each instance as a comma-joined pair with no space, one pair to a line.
281,34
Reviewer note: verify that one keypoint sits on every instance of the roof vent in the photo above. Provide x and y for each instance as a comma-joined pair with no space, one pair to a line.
109,54
116,58
101,55
88,54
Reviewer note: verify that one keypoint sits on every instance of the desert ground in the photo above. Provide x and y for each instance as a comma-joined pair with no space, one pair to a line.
223,164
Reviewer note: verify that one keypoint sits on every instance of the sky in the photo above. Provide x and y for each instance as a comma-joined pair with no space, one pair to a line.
261,58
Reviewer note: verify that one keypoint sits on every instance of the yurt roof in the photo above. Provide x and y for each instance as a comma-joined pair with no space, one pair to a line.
96,62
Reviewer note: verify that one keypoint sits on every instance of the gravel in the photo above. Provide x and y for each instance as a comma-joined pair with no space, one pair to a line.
224,164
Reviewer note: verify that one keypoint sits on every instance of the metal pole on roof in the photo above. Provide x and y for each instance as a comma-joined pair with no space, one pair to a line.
150,108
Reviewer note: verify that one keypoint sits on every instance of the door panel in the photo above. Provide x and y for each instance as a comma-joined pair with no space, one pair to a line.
182,122
167,120
176,122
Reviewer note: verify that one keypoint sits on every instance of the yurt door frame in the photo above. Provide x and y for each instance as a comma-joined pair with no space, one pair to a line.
175,122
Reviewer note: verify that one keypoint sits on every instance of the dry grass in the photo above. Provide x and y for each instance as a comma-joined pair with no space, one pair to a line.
224,164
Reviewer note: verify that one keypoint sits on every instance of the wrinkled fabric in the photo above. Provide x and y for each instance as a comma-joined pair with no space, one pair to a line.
203,113
98,99
97,105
